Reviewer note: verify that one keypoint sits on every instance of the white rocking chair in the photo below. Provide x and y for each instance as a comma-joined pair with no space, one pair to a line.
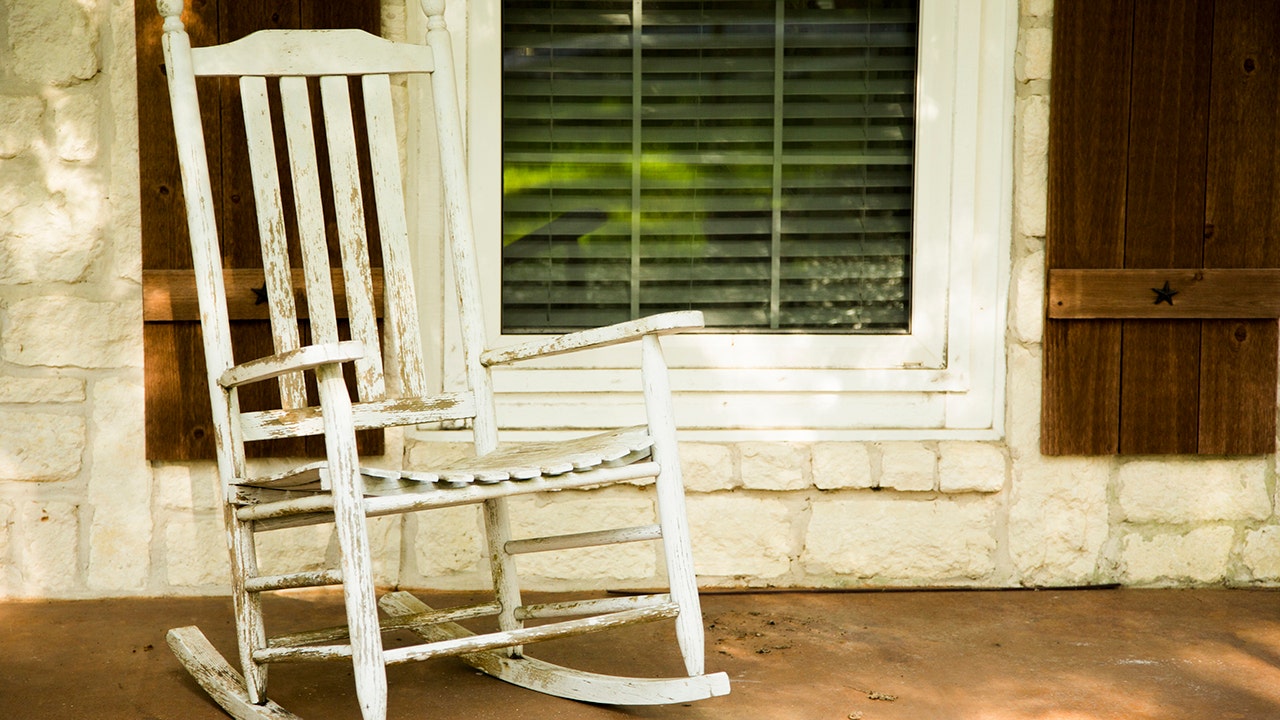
338,490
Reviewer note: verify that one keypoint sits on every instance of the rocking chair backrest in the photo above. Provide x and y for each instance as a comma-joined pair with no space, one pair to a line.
280,75
288,58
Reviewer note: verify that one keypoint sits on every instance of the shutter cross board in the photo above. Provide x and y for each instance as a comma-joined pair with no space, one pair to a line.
169,295
1175,294
1163,231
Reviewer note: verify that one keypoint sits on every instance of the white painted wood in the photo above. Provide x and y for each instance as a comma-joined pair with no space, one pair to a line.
307,358
597,337
311,578
551,631
400,298
412,497
573,608
334,634
268,424
278,277
300,134
671,507
564,682
584,539
308,52
216,676
353,543
307,653
348,201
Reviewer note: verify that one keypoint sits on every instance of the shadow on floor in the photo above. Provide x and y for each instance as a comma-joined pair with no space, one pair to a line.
964,655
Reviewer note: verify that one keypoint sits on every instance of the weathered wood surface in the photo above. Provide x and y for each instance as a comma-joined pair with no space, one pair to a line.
217,677
661,324
1229,293
561,681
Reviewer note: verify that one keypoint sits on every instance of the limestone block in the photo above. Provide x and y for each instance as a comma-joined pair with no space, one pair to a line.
119,489
740,536
75,121
187,486
6,532
1194,490
1028,298
1022,426
32,390
1261,553
44,237
1034,54
19,123
40,447
427,456
295,549
448,541
50,553
38,331
901,540
37,27
707,467
908,466
1058,520
570,512
1031,186
1199,556
385,541
842,465
1037,8
971,467
774,466
195,551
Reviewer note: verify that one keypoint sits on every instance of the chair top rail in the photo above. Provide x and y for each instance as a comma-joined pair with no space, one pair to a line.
274,53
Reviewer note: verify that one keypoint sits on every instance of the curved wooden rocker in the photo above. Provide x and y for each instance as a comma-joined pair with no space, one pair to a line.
279,73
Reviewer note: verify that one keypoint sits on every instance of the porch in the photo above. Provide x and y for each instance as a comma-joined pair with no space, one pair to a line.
1122,654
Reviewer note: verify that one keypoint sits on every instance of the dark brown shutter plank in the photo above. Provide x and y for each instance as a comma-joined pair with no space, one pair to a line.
1087,144
1164,216
1238,358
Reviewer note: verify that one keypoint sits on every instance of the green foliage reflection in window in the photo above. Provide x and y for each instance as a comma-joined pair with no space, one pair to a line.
752,159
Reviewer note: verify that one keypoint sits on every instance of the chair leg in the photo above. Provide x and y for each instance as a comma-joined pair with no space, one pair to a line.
502,565
671,506
353,545
250,629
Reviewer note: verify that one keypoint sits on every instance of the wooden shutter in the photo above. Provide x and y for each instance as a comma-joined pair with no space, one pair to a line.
1163,169
179,424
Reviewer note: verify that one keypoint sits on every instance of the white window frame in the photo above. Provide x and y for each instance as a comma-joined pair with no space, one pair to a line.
943,380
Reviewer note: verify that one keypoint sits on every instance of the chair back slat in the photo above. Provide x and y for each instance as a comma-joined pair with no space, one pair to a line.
300,134
271,230
344,168
400,298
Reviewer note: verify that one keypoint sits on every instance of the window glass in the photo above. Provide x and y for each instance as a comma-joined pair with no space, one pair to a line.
749,158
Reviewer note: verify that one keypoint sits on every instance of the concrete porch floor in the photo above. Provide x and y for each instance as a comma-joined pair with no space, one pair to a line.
961,655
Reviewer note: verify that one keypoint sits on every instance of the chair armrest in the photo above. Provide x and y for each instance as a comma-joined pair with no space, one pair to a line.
662,324
305,358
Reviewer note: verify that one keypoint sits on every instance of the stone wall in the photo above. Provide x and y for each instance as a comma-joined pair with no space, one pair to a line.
83,514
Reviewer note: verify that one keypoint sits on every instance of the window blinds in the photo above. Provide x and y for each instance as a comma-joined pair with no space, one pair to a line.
748,158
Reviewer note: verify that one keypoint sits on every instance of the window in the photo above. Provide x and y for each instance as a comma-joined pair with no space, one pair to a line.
748,158
926,362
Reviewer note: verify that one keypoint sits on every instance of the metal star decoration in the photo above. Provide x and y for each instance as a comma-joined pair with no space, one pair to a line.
1164,294
261,293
